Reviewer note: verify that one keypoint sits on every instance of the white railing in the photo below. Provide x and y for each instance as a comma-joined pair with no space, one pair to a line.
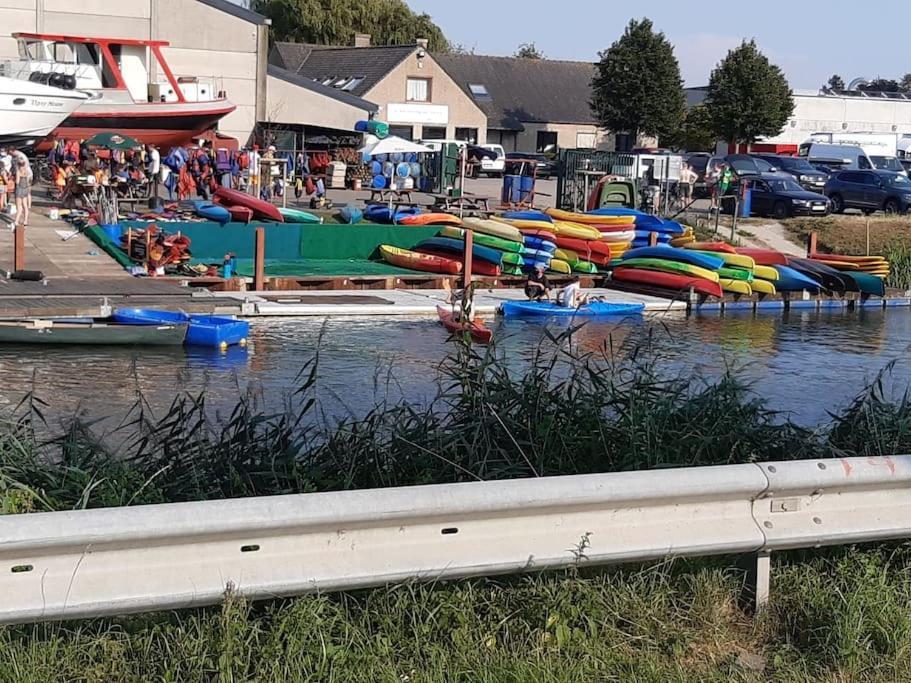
109,561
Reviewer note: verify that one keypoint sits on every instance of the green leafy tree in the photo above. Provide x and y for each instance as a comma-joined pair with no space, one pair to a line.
529,51
696,134
637,87
881,85
748,96
904,85
835,82
335,22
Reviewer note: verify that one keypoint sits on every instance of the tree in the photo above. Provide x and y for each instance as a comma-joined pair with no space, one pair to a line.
881,85
529,51
835,83
696,134
748,96
335,22
904,85
637,87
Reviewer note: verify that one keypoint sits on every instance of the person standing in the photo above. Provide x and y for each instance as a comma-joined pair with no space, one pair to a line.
687,181
23,191
154,168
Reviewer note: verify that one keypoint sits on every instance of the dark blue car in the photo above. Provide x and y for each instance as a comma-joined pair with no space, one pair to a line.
869,191
779,195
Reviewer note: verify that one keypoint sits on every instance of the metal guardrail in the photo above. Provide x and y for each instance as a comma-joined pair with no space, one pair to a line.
117,560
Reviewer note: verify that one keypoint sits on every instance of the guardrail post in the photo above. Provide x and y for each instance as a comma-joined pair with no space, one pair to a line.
758,577
259,260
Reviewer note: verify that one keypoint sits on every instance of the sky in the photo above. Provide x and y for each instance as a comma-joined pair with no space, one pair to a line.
809,41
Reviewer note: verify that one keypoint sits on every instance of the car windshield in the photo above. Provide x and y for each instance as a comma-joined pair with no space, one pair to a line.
897,181
793,164
887,164
743,165
784,185
698,163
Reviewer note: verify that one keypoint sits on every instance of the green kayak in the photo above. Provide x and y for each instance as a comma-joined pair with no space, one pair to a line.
584,267
668,266
866,283
735,274
298,216
484,240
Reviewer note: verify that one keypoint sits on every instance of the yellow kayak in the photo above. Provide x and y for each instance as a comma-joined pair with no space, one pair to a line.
589,219
735,286
762,286
765,272
560,266
567,255
495,228
680,241
576,230
523,224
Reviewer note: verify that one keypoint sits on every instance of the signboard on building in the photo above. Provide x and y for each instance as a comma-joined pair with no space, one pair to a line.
434,114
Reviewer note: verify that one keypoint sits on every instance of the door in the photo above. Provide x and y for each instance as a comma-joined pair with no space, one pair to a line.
762,199
852,189
874,192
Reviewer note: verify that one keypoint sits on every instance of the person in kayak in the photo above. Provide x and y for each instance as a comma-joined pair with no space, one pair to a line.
537,286
571,295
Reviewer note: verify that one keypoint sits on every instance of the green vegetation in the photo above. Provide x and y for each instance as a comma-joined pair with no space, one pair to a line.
748,96
529,51
637,86
335,22
839,615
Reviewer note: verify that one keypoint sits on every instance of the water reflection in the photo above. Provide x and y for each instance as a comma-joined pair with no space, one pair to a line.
804,362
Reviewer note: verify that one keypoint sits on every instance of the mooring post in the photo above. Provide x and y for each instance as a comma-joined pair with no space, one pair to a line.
467,258
758,577
19,248
259,260
811,243
653,239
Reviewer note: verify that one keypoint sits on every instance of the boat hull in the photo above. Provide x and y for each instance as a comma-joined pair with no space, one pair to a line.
90,332
596,309
29,112
476,328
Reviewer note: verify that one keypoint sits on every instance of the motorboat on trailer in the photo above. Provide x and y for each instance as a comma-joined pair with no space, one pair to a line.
130,84
30,111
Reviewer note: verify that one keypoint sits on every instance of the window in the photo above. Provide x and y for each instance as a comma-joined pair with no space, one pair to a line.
479,91
469,135
623,142
353,83
405,132
433,133
547,140
418,90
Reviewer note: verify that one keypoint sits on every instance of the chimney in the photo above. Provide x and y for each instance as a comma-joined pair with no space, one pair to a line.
361,40
422,42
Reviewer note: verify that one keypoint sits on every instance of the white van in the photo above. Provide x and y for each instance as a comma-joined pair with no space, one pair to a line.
880,148
494,167
837,157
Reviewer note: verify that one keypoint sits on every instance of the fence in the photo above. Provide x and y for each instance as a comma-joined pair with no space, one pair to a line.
579,170
108,561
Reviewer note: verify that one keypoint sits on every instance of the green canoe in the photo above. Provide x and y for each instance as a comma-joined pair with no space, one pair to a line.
484,240
668,266
735,274
584,267
298,216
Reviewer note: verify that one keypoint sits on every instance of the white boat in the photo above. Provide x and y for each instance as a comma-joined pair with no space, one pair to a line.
29,111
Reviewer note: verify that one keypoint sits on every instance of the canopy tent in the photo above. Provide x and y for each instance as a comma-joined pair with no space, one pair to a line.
391,145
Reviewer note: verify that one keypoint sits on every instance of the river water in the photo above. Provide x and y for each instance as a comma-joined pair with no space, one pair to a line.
803,363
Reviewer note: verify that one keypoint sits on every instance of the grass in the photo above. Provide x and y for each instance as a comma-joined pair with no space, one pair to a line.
839,615
845,234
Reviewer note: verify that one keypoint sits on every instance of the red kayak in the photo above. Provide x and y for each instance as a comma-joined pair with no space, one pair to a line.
764,257
587,247
475,328
478,267
723,247
413,260
240,214
260,208
535,232
676,281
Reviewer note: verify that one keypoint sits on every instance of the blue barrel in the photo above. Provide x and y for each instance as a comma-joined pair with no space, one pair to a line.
382,157
747,205
526,187
379,182
415,169
376,168
411,157
403,170
388,169
113,231
506,193
397,157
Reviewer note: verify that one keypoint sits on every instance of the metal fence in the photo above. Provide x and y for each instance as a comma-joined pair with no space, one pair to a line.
579,171
109,561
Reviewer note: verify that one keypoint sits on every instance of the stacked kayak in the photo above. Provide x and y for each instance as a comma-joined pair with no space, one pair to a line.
644,225
877,266
412,260
261,209
500,244
593,309
298,216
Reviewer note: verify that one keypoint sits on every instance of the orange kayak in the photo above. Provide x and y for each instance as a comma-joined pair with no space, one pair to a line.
711,246
413,260
431,219
476,328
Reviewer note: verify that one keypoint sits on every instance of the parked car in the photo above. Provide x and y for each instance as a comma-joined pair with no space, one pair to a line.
494,167
748,165
547,167
807,175
780,196
837,157
869,191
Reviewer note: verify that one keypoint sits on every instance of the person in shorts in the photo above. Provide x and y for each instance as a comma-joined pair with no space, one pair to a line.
537,287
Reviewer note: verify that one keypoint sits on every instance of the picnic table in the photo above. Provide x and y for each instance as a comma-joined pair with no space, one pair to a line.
467,201
387,196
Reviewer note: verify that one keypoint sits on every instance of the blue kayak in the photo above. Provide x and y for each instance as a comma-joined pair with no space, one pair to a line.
379,213
647,234
212,212
528,216
790,280
538,254
458,247
532,262
540,243
644,221
544,308
694,258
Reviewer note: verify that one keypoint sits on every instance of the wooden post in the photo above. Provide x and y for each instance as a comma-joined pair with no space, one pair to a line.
811,243
868,236
467,258
259,260
19,248
148,247
653,239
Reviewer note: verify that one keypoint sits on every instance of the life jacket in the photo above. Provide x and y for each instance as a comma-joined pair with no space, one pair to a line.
222,160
